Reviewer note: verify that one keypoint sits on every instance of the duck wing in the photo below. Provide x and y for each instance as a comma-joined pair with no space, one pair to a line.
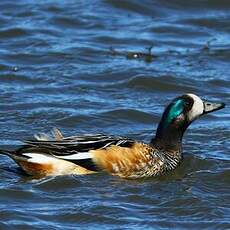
75,149
78,144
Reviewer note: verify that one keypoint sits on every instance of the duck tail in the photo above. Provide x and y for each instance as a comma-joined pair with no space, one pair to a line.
6,152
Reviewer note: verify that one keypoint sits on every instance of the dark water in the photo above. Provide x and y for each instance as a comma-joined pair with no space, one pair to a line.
56,70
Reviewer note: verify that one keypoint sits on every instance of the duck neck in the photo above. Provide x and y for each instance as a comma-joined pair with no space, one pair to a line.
169,137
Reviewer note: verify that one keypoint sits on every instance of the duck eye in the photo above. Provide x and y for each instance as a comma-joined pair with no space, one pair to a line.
186,103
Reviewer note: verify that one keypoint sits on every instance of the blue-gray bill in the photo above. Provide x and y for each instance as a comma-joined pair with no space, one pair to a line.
211,107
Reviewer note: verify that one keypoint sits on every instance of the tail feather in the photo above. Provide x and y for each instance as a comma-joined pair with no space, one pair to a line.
6,152
13,155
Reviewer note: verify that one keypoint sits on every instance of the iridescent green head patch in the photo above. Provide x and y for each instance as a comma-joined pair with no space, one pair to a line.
175,110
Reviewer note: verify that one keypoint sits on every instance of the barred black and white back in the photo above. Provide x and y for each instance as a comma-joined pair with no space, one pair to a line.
75,149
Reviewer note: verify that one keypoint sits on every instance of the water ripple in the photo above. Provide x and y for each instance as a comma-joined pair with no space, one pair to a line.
57,70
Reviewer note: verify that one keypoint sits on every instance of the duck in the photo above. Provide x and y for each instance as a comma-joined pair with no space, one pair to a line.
84,154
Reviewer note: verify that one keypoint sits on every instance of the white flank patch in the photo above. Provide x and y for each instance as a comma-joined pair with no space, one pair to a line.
77,156
197,108
39,158
44,159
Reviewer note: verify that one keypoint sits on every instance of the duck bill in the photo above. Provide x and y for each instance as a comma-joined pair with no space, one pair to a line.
211,107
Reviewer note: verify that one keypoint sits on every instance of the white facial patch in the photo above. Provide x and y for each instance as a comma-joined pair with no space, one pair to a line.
197,108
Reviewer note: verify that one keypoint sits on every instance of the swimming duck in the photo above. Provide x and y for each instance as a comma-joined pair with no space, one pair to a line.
123,157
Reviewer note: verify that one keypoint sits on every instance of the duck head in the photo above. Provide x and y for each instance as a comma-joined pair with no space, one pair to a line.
178,115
